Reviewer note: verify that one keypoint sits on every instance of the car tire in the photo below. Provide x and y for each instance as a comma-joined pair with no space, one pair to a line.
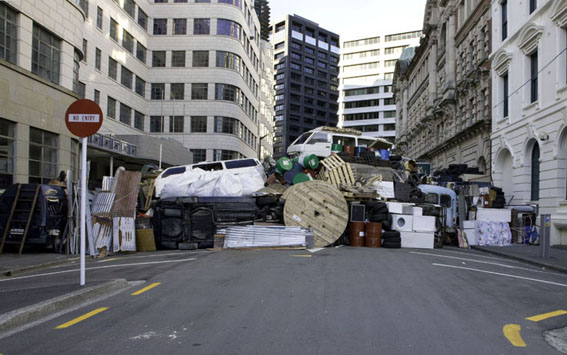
391,235
391,245
378,217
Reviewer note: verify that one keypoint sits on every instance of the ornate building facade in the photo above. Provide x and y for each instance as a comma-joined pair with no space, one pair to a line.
442,87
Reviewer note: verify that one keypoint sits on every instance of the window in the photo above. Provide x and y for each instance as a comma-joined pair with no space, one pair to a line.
176,124
365,91
96,97
158,59
199,155
295,66
99,15
505,95
139,120
7,134
389,101
125,114
85,47
141,52
227,92
533,77
229,60
177,91
42,156
98,55
200,59
199,124
158,91
127,41
201,26
199,91
140,87
229,28
112,68
46,54
142,19
160,26
179,26
504,13
156,124
533,5
111,107
225,154
113,29
535,173
180,1
126,77
130,7
178,59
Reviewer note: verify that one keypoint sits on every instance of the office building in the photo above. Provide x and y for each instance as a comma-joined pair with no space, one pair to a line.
366,70
306,57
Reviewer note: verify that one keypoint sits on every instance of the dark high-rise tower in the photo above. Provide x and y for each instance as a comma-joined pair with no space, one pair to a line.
306,57
263,11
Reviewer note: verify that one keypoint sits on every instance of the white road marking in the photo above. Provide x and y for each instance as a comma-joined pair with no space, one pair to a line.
486,262
97,267
501,274
477,254
314,250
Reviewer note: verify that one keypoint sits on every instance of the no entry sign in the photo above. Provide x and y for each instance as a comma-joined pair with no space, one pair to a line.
83,118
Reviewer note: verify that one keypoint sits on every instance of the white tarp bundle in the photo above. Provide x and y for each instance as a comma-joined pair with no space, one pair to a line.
266,236
493,234
222,183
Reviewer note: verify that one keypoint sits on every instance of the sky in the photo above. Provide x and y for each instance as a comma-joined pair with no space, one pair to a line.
355,18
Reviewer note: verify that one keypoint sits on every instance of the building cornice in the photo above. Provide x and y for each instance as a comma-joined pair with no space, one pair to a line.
481,9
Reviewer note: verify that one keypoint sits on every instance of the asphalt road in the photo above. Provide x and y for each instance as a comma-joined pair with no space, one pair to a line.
334,301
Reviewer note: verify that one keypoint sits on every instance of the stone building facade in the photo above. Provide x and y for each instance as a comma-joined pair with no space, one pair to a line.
442,90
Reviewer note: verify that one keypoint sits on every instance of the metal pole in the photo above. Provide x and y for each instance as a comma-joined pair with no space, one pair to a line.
83,207
111,166
160,153
544,235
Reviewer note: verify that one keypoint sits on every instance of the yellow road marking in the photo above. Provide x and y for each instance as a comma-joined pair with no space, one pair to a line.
545,316
81,318
302,256
512,333
147,288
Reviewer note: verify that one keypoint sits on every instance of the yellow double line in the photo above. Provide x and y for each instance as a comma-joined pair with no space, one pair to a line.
101,309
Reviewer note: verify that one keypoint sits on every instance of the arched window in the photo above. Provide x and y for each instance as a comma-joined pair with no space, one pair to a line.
535,173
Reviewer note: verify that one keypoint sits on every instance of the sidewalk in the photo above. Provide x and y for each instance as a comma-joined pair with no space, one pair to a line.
531,254
11,264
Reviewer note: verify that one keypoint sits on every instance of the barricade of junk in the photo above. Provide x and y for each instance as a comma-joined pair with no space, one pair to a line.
356,195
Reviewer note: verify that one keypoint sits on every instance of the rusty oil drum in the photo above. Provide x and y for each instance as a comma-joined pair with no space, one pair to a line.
356,234
373,235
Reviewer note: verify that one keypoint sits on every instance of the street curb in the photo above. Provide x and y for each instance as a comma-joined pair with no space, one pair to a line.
524,260
12,272
25,315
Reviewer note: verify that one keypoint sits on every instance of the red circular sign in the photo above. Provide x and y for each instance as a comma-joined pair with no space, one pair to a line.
83,118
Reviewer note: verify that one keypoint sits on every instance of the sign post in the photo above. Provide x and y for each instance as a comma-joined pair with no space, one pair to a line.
83,118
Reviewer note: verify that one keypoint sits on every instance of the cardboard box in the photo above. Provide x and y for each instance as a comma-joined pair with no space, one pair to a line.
417,211
469,224
472,238
423,223
402,222
494,215
398,207
418,240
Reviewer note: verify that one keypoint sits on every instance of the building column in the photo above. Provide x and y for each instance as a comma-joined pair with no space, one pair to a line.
432,73
450,52
405,116
22,154
25,39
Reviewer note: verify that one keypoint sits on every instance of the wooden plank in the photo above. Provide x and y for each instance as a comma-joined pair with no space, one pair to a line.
9,221
29,219
320,206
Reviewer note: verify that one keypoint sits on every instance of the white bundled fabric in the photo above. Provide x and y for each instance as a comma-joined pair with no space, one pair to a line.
265,236
493,234
222,183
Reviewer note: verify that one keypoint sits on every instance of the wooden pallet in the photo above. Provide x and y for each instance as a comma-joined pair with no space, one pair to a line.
337,172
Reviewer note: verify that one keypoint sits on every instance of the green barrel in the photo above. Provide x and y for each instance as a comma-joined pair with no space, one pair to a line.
284,164
309,161
301,177
336,148
295,160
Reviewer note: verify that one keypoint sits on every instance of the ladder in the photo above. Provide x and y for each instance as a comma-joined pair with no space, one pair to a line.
21,207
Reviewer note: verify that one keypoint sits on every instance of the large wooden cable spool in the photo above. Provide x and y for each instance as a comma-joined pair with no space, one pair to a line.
317,205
